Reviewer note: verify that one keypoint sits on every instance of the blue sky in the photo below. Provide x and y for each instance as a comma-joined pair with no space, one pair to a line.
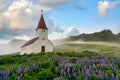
88,19
19,18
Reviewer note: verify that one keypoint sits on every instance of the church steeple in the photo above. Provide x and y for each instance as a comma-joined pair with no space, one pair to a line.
42,30
42,24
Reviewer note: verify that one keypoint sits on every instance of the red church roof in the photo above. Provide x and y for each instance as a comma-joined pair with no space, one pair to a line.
30,42
42,24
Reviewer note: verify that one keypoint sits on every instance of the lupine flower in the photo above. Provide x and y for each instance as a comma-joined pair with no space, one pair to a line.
117,77
6,75
19,71
100,75
64,74
1,74
26,69
68,70
113,77
87,77
87,72
74,75
35,67
106,76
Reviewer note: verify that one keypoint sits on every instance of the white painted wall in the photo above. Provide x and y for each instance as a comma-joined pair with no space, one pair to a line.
42,33
26,49
36,46
40,42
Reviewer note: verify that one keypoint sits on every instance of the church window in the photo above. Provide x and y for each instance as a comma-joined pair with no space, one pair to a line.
43,30
43,38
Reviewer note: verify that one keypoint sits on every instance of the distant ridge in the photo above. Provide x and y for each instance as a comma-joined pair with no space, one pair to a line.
103,36
12,47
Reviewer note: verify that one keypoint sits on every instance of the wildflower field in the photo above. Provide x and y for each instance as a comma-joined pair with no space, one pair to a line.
61,66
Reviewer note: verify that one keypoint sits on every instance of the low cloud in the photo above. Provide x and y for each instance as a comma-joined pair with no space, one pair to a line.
105,6
58,29
72,31
7,33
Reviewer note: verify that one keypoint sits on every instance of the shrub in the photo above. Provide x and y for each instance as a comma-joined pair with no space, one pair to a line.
46,75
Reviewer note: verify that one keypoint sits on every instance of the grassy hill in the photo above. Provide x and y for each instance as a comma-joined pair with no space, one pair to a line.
103,36
77,47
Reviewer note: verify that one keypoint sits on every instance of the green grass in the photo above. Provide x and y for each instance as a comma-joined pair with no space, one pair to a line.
101,48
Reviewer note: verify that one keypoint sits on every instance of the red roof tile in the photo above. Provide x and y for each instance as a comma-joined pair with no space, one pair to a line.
42,24
30,42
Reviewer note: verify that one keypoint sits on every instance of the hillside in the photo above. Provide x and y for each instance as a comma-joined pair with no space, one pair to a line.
11,47
103,36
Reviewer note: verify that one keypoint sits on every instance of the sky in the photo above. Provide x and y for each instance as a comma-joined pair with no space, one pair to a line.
64,18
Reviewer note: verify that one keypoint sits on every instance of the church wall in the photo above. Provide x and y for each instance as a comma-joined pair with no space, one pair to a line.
42,33
37,46
26,49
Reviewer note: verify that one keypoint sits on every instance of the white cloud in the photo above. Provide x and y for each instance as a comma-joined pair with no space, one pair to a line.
114,4
53,2
72,31
2,4
105,6
20,14
21,17
24,37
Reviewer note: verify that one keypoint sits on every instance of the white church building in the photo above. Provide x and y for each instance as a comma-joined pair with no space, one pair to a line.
40,43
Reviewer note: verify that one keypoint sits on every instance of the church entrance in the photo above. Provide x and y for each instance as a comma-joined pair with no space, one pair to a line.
42,48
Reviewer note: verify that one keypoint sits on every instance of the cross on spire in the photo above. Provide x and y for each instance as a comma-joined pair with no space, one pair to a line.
42,11
42,24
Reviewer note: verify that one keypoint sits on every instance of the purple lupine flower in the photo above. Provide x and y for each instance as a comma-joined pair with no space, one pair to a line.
78,72
116,78
106,76
87,72
6,75
26,69
75,76
100,75
35,68
64,74
1,74
111,65
113,77
68,70
19,71
87,77
19,78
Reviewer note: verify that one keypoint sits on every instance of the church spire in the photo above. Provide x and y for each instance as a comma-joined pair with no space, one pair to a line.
42,24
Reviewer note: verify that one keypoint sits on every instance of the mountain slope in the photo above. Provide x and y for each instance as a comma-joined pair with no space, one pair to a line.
103,36
11,47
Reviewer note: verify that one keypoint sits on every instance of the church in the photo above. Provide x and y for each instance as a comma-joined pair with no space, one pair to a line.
40,43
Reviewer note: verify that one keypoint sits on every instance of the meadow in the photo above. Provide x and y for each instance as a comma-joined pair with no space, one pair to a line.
86,65
95,47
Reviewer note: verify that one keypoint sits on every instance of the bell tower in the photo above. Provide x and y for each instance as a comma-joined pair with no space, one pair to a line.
42,30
